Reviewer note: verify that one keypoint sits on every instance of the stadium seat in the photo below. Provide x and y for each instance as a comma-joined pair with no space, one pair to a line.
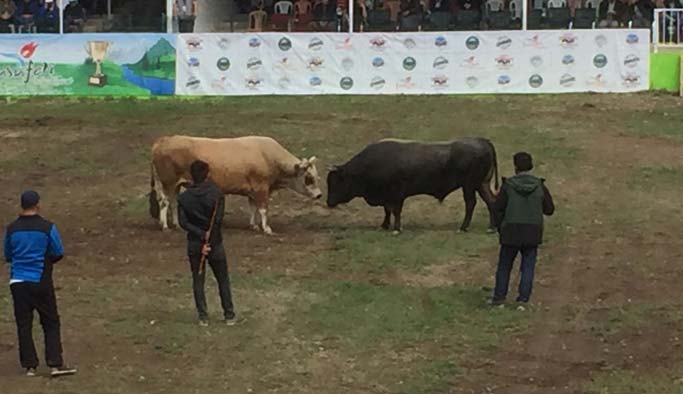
499,20
467,20
584,18
534,19
380,20
558,18
410,23
440,21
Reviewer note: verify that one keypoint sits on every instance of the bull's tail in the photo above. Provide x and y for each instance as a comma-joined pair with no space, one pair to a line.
495,163
154,209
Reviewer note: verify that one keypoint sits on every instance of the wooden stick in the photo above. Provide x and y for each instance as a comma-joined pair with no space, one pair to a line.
680,83
202,261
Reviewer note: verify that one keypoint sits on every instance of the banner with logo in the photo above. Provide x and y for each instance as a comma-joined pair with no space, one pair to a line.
413,63
88,64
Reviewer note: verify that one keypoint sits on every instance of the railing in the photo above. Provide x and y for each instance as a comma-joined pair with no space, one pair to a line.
667,28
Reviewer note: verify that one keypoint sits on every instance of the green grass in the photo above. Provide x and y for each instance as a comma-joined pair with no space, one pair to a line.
628,382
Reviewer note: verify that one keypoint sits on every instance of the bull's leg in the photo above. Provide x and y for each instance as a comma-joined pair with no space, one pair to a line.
173,205
264,221
487,196
261,199
397,208
163,211
387,218
470,202
254,210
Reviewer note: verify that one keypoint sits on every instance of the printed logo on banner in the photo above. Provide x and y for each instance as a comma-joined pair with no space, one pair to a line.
597,80
600,61
315,63
406,83
284,83
472,82
440,42
284,44
221,83
346,44
504,80
534,42
193,44
346,83
600,40
504,42
347,64
536,61
568,40
409,43
192,83
377,62
568,60
378,43
315,44
409,63
283,64
440,81
223,64
535,81
440,63
470,62
567,80
630,80
193,62
504,62
315,81
253,82
472,43
254,63
254,42
224,43
632,38
377,83
631,60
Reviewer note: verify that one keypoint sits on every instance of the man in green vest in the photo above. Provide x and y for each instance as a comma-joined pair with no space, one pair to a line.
521,203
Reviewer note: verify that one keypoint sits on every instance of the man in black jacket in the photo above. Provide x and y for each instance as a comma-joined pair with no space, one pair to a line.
196,207
520,206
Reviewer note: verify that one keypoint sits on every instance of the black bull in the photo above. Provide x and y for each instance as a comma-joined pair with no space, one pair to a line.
389,171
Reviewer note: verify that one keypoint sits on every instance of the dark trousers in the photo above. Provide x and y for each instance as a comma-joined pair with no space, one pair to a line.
186,25
41,297
506,259
219,265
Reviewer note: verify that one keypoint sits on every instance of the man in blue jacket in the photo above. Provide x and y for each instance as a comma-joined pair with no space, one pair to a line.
32,245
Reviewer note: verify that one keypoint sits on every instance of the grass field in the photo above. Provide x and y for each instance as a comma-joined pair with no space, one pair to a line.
333,304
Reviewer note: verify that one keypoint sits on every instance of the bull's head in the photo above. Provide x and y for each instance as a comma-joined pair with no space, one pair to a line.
306,180
339,190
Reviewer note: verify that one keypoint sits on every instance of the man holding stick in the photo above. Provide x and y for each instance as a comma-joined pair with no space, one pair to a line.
200,209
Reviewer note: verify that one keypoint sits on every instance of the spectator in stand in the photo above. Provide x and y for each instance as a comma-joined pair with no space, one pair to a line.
47,19
7,13
324,14
470,5
410,7
611,13
74,16
441,6
27,11
185,12
642,13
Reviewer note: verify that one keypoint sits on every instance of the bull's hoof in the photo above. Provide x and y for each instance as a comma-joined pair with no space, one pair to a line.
255,227
268,231
396,232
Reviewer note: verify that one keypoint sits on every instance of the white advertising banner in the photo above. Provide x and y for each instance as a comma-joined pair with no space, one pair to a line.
413,63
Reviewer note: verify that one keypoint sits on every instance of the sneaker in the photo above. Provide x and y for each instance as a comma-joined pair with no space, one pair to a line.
521,308
62,371
31,372
231,321
204,323
498,303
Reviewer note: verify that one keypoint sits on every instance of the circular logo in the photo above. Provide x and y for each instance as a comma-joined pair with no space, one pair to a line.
536,61
315,44
347,64
377,83
600,61
224,43
346,83
535,81
632,38
223,64
315,81
284,44
193,62
631,61
440,41
567,80
600,40
254,63
254,42
568,60
504,42
284,83
377,62
472,43
504,80
440,63
472,82
409,43
409,63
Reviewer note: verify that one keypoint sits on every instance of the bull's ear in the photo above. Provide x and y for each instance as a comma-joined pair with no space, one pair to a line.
299,168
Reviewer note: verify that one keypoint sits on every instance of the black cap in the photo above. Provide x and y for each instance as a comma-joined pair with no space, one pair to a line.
29,199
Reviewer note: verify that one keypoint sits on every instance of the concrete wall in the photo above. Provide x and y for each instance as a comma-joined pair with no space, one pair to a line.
213,15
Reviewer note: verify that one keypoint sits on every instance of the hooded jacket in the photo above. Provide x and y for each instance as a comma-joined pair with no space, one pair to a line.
195,208
520,206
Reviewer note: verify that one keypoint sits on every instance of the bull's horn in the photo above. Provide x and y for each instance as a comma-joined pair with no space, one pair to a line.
332,168
312,159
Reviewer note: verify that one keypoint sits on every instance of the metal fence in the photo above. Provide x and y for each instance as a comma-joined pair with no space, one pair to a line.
667,28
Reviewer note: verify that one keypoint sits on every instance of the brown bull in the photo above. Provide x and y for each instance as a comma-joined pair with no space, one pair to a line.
249,166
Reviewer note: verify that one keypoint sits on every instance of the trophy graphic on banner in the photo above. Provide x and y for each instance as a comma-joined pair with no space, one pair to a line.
97,51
